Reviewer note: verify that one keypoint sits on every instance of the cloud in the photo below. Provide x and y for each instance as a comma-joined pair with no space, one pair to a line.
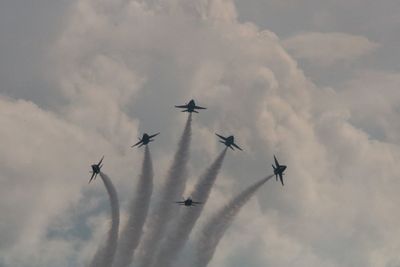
377,110
326,49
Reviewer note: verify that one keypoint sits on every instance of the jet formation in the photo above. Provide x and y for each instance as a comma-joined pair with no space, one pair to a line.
96,169
228,141
188,202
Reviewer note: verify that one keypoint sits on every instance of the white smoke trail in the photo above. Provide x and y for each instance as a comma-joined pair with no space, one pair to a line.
139,207
214,230
180,232
173,189
105,254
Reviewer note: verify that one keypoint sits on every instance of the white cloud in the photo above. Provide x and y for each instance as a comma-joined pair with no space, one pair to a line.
326,49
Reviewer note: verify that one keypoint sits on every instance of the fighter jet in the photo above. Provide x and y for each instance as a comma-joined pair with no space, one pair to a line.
228,141
145,139
278,170
96,169
188,202
190,107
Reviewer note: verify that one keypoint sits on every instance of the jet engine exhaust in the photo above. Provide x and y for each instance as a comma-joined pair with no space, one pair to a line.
138,210
173,189
215,228
180,231
105,254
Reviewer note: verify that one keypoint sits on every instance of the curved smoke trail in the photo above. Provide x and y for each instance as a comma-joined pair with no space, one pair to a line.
173,189
139,207
214,230
180,233
105,254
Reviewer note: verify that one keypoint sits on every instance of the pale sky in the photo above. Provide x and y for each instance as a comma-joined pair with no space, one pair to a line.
314,82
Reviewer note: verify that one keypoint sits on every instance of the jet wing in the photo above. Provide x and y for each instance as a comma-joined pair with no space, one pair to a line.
137,143
280,177
198,107
236,146
180,202
276,162
182,106
100,161
154,135
220,136
91,178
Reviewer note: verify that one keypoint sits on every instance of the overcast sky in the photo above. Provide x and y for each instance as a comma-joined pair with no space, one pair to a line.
314,82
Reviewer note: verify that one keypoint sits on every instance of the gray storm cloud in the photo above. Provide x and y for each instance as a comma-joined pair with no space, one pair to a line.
139,207
173,189
215,228
105,254
179,234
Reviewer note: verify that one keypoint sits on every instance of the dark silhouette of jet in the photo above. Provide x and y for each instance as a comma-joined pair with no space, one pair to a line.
190,107
188,202
145,139
278,170
96,169
228,141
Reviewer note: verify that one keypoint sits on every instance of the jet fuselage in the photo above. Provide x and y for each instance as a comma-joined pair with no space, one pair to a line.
96,168
188,202
230,140
280,169
191,106
145,139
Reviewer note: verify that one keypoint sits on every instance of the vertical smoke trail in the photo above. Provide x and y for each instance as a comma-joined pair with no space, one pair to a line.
214,230
180,232
173,189
105,254
139,207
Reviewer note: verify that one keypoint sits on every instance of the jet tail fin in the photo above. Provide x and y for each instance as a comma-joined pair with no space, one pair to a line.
186,110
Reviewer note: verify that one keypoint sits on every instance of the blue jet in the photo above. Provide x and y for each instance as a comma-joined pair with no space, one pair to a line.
188,202
228,141
278,170
145,139
190,107
96,169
